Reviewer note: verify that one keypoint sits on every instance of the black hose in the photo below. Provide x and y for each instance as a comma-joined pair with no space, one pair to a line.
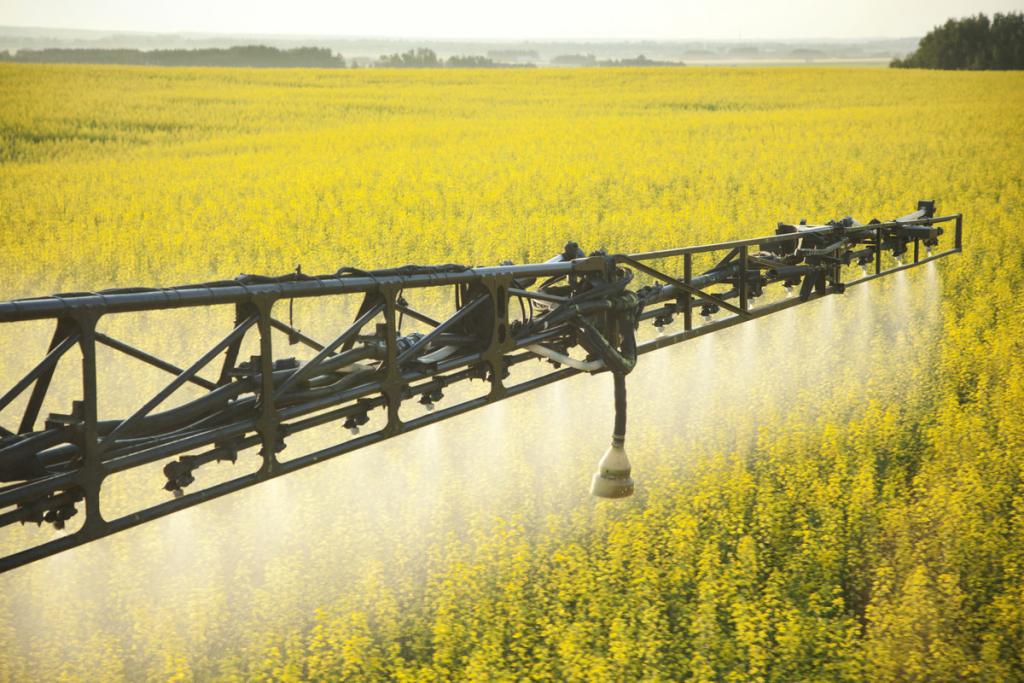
619,433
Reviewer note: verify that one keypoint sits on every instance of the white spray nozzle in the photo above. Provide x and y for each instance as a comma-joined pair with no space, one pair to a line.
612,478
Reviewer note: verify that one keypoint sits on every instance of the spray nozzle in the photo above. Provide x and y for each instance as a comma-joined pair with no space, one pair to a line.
428,399
59,515
354,422
898,250
180,473
612,478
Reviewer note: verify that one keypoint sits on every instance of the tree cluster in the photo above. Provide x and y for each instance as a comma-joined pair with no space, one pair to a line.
971,43
639,60
591,60
425,58
238,56
419,58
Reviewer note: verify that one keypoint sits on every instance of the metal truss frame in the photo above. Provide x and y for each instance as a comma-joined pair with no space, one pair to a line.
573,301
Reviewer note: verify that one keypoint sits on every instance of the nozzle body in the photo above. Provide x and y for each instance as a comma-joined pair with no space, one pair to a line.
612,479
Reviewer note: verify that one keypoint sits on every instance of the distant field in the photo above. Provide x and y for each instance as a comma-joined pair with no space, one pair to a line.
850,507
219,171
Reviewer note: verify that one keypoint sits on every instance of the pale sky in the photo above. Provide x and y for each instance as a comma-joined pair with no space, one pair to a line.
508,19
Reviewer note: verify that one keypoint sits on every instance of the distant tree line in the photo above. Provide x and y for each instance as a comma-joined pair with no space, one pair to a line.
239,56
471,62
591,60
639,60
425,58
971,43
420,58
265,56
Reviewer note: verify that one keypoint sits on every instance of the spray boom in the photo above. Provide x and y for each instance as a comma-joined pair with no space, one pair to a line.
500,317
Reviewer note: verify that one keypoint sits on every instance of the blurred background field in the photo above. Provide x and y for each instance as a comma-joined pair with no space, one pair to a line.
832,493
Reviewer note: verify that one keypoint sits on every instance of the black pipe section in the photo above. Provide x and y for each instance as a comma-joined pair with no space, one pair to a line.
619,433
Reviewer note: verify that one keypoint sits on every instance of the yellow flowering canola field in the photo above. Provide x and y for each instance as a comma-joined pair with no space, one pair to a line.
832,493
